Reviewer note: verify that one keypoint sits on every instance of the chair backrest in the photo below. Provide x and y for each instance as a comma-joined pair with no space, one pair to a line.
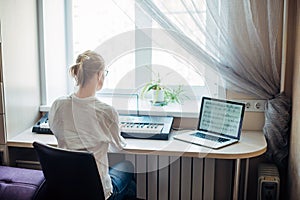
69,174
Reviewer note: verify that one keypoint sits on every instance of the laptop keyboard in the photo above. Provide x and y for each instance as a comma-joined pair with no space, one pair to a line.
210,137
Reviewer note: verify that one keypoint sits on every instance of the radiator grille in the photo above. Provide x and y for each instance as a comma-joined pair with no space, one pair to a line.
268,182
172,178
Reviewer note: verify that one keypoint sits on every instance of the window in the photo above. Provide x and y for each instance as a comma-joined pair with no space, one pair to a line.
192,29
130,42
97,23
91,28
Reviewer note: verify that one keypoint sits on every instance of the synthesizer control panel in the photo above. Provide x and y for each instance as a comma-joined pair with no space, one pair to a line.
131,126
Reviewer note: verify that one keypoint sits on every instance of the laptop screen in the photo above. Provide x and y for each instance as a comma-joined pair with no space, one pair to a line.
221,117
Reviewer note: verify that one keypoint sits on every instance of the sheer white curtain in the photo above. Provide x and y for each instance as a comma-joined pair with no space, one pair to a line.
242,41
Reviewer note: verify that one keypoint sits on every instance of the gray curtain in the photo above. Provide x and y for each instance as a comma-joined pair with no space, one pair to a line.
241,40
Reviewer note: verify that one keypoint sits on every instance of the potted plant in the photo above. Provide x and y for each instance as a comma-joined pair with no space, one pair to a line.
175,95
162,95
157,89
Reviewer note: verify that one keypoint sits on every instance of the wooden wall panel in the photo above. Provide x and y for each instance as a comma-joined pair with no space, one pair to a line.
294,158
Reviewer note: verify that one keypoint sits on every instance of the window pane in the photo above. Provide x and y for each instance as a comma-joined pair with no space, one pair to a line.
96,21
180,67
121,73
174,70
195,17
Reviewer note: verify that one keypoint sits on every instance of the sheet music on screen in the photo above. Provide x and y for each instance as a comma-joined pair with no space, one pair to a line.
220,117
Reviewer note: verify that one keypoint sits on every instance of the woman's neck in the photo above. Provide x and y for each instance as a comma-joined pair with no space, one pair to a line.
86,91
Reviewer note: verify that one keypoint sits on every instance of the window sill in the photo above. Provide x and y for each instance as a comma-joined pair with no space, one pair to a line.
189,109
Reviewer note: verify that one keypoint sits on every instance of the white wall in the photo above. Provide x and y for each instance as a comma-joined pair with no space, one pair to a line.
20,64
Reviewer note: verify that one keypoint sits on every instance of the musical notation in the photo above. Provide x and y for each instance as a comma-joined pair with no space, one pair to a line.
220,117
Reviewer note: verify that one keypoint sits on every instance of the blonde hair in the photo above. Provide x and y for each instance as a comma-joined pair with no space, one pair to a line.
87,65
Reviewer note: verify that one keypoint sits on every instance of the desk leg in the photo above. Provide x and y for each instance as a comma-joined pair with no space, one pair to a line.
237,173
246,178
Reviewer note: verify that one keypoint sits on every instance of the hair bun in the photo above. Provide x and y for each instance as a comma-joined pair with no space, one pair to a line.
83,71
82,57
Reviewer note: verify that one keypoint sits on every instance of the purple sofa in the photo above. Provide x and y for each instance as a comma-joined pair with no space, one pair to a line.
20,184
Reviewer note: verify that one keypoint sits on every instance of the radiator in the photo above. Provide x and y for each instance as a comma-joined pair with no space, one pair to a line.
173,178
268,182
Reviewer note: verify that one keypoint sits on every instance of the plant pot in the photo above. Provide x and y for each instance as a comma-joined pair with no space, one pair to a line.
158,96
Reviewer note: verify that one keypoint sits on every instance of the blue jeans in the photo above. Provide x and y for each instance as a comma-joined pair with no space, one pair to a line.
123,182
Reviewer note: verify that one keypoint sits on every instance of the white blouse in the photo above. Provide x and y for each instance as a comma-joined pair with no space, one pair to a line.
87,124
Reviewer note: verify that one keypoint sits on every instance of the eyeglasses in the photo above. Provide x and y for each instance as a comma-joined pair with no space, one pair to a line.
105,72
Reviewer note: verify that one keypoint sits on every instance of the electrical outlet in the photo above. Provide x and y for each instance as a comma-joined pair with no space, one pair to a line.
254,105
248,105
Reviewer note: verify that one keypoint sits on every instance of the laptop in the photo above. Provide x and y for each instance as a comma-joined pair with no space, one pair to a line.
220,124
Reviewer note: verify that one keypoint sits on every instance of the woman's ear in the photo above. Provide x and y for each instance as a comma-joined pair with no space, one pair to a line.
99,75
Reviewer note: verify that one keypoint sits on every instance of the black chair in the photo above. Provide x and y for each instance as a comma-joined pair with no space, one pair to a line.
69,174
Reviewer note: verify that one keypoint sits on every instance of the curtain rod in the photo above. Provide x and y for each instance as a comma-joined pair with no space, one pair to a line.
284,44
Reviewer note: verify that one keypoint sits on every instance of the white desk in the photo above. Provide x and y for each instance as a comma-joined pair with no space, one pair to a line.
252,144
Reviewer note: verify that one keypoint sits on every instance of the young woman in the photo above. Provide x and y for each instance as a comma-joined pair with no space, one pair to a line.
81,122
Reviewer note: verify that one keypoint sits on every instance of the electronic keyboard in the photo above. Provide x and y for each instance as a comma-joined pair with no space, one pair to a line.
145,127
131,126
42,126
